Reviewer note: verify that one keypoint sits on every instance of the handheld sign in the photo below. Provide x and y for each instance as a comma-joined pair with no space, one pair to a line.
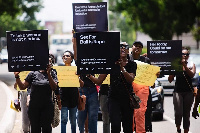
166,54
89,17
27,50
98,52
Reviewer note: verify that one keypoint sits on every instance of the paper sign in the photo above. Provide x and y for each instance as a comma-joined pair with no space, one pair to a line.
67,76
145,73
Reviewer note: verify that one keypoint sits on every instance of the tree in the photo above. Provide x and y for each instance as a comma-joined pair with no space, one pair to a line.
160,19
20,16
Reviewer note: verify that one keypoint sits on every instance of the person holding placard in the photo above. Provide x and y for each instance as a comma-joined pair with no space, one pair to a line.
119,92
41,83
88,88
69,97
183,92
142,116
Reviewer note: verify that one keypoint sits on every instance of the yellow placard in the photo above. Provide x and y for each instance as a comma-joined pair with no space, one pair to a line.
67,76
145,73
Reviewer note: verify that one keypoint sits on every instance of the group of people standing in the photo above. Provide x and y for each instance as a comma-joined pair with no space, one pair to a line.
114,98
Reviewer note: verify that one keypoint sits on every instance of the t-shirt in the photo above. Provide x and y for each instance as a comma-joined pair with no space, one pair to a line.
69,96
119,85
181,84
87,82
39,85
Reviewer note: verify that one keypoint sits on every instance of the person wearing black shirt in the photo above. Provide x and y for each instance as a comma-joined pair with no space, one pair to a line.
119,92
40,110
183,92
69,97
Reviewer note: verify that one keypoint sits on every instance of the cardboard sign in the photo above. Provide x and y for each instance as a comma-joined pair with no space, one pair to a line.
166,54
67,76
88,17
98,52
27,50
145,73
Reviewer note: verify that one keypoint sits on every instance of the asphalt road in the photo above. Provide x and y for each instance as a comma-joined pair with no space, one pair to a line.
165,126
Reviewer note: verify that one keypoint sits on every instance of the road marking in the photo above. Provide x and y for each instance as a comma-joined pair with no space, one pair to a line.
172,121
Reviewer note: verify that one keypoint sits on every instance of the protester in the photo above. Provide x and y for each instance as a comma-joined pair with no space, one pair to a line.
41,83
119,92
143,92
22,97
195,113
69,97
183,93
103,100
92,104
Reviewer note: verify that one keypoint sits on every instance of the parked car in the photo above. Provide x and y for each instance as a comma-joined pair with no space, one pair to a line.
4,56
157,101
168,87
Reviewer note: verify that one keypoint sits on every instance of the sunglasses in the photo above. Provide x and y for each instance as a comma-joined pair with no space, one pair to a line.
186,54
124,46
66,56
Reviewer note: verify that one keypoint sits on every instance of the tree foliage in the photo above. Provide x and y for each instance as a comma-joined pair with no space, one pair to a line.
160,19
19,15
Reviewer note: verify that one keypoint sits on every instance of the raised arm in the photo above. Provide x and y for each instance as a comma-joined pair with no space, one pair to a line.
98,80
22,85
191,72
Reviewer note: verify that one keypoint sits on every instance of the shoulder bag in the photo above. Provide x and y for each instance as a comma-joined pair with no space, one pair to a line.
134,99
56,117
194,90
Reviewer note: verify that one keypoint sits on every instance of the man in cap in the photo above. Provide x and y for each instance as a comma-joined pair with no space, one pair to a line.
143,92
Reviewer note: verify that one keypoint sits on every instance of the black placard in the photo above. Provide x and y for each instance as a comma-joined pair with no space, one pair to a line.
98,52
166,54
90,17
27,50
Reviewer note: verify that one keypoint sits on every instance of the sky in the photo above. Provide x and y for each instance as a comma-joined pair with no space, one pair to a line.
58,10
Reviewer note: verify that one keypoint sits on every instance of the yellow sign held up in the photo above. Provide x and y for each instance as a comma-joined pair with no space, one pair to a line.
67,76
145,73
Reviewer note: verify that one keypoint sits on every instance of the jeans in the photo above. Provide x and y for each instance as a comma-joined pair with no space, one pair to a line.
72,118
105,114
91,108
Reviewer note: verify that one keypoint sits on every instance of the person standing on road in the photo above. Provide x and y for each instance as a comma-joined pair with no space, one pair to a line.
103,100
119,92
195,113
69,97
141,122
88,88
41,83
183,96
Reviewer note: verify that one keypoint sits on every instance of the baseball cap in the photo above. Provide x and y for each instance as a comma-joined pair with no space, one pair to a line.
138,42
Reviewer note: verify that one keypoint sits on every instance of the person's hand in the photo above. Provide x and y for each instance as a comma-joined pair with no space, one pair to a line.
119,62
145,54
157,74
49,69
16,74
59,105
195,113
184,62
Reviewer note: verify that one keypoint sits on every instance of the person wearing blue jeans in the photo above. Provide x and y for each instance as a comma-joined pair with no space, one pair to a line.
69,97
91,108
72,118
